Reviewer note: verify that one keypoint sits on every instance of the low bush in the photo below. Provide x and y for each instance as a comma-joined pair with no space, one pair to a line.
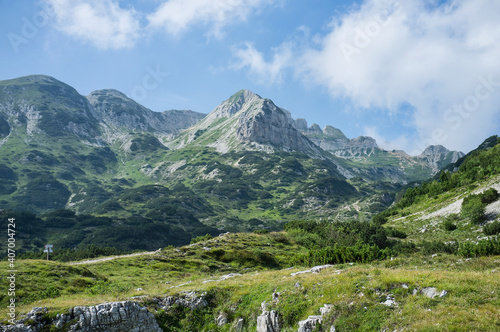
379,219
492,228
201,238
449,226
434,247
489,196
473,209
391,232
482,248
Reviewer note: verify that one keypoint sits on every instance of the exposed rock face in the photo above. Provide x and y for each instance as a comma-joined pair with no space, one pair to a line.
315,269
43,104
248,122
393,165
124,316
115,110
268,124
437,156
113,317
300,124
235,103
191,300
315,129
268,321
34,316
221,320
309,324
238,326
333,140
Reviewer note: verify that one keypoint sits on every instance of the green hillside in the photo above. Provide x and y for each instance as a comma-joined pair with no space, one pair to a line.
459,206
237,272
105,171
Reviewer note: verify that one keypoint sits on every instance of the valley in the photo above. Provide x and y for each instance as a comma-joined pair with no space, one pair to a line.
246,165
241,219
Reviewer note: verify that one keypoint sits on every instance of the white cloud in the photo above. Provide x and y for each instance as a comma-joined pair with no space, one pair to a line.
176,16
414,57
388,53
261,70
107,25
102,23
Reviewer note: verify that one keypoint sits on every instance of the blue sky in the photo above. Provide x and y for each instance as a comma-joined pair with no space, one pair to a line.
408,73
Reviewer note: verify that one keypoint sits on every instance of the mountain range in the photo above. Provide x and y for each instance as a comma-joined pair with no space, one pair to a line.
245,165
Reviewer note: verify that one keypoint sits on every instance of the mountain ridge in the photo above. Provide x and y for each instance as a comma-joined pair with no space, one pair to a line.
256,123
245,165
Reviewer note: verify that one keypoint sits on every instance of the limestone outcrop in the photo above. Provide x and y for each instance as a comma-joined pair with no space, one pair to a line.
268,321
126,316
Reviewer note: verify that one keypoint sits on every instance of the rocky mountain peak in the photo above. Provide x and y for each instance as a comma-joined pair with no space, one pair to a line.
333,132
265,123
247,121
42,104
115,110
38,79
433,150
108,93
235,103
364,142
315,129
437,157
40,83
300,124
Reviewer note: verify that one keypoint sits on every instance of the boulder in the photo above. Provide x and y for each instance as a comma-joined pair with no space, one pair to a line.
221,320
268,322
430,292
238,326
126,316
309,324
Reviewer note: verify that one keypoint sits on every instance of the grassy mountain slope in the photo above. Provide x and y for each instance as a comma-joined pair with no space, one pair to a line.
356,291
242,167
436,205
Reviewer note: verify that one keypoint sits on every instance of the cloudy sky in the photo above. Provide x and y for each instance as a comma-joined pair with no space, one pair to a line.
408,73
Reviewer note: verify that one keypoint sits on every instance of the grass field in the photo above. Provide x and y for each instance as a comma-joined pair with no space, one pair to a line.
356,291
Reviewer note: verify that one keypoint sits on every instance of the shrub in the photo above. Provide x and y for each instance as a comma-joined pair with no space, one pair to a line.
489,196
391,232
449,226
434,247
360,252
379,219
473,208
482,248
279,237
492,228
201,238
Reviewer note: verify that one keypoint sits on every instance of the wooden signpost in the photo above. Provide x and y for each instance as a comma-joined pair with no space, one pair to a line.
48,248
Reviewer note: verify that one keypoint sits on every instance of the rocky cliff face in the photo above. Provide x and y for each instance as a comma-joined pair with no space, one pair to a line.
334,141
248,122
43,105
373,162
115,110
437,157
267,124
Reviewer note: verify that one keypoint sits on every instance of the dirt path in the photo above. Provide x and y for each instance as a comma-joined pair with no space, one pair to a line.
98,260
